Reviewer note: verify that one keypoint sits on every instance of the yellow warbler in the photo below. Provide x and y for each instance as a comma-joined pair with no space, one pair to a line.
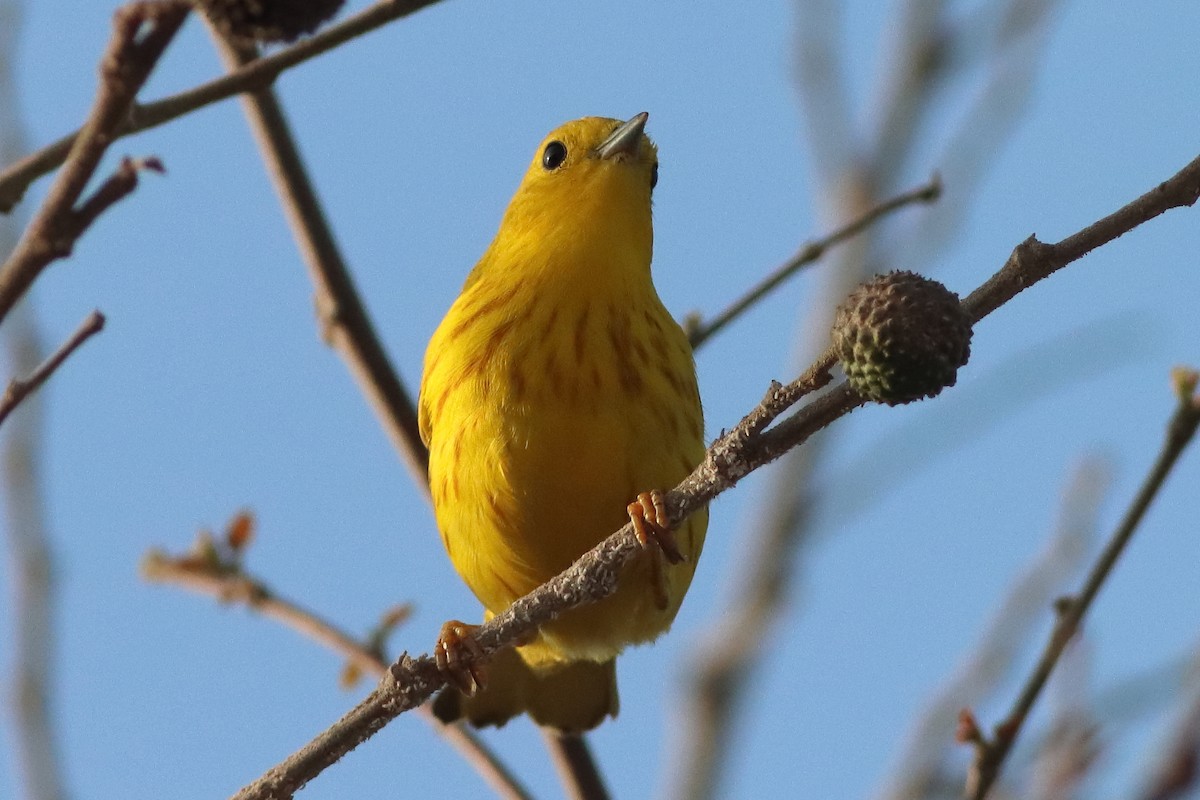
556,390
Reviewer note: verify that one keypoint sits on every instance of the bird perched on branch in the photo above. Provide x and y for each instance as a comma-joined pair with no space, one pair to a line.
557,390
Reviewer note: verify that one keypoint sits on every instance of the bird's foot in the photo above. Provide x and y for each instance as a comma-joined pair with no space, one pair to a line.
460,658
648,513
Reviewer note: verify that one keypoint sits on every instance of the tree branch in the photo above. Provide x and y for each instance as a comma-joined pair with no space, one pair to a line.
209,571
990,754
824,90
18,389
699,331
747,447
261,74
141,32
343,317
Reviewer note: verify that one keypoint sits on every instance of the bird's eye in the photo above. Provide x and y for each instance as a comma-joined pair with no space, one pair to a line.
554,155
654,175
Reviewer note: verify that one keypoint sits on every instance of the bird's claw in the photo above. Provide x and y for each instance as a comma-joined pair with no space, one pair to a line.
648,513
460,658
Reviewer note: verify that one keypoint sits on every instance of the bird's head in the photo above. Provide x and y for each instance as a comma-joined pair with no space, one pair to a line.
589,186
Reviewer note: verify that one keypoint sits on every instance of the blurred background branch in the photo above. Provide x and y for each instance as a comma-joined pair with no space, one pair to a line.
33,585
31,666
1173,765
861,156
922,764
993,750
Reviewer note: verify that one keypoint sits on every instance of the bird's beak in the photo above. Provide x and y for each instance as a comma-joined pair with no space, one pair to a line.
624,139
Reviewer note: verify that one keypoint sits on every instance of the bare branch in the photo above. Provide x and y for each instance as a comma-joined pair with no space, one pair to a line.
990,754
699,331
223,578
342,315
18,389
142,31
750,445
1010,38
261,74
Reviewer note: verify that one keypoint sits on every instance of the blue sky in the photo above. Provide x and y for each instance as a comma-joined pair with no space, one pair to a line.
210,391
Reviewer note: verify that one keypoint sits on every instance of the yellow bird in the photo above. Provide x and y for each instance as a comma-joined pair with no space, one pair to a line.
556,390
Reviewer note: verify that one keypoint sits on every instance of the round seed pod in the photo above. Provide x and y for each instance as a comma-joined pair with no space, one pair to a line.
268,21
901,337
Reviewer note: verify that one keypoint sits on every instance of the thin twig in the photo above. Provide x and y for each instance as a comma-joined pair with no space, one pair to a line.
749,446
1032,260
699,331
261,74
141,32
990,754
235,586
19,389
342,315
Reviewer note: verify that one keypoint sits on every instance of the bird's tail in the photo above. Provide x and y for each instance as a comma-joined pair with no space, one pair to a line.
571,696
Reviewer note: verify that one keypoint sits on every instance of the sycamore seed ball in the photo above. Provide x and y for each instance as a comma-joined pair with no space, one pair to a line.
901,337
268,21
